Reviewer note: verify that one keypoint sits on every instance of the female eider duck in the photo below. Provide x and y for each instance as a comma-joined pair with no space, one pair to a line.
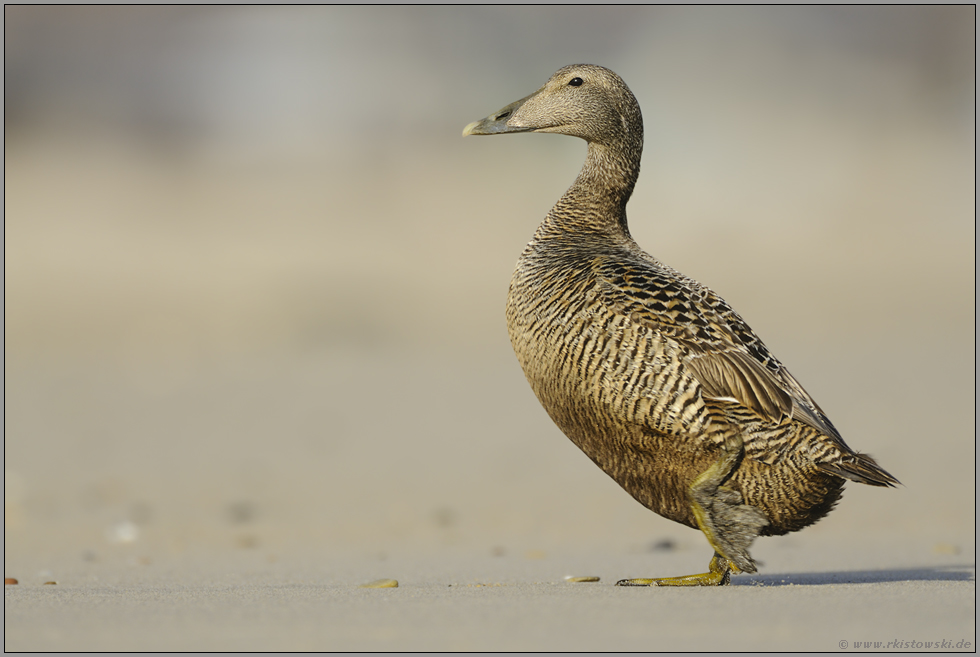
650,373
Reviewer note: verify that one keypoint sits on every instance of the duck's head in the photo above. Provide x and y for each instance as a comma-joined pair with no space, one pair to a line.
581,100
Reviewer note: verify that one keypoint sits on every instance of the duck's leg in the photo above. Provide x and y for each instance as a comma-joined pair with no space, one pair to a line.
729,525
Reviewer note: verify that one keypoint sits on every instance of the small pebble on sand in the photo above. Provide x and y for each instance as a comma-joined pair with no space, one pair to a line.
49,583
381,584
8,581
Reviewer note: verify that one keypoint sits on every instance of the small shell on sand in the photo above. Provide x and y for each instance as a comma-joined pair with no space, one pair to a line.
572,578
381,584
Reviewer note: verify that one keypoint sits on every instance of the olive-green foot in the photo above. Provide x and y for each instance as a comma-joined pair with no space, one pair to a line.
719,574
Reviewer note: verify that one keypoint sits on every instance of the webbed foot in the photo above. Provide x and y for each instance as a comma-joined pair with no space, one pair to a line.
719,574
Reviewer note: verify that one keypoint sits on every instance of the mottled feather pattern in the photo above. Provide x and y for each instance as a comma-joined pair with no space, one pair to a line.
653,375
620,386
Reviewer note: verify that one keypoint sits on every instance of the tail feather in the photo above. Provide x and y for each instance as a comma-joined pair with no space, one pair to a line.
862,469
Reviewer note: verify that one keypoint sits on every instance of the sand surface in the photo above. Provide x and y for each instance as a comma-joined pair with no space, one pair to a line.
255,352
472,600
476,604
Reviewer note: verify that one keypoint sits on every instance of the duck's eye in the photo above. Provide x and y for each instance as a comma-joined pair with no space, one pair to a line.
575,82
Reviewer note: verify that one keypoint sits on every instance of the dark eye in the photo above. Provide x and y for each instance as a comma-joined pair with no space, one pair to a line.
575,82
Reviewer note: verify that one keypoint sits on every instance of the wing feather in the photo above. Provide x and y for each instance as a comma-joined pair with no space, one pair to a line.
724,354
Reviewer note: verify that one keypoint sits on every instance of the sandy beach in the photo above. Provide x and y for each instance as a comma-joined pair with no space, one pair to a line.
480,603
256,355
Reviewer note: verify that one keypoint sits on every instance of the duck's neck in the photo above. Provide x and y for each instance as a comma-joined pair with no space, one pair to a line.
596,201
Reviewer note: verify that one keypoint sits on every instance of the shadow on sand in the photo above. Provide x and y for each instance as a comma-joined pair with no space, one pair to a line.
957,573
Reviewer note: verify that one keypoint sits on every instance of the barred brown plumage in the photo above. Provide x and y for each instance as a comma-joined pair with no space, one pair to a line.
650,373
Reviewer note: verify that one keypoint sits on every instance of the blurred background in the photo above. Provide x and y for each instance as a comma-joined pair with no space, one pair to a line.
254,279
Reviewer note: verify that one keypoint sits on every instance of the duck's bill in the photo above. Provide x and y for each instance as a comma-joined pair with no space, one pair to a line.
496,123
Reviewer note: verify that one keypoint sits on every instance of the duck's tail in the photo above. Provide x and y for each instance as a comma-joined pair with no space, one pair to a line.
862,469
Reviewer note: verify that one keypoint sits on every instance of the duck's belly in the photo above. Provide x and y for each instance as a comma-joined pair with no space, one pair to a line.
620,391
615,388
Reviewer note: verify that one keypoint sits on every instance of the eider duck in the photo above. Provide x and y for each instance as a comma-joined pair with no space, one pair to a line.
650,373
